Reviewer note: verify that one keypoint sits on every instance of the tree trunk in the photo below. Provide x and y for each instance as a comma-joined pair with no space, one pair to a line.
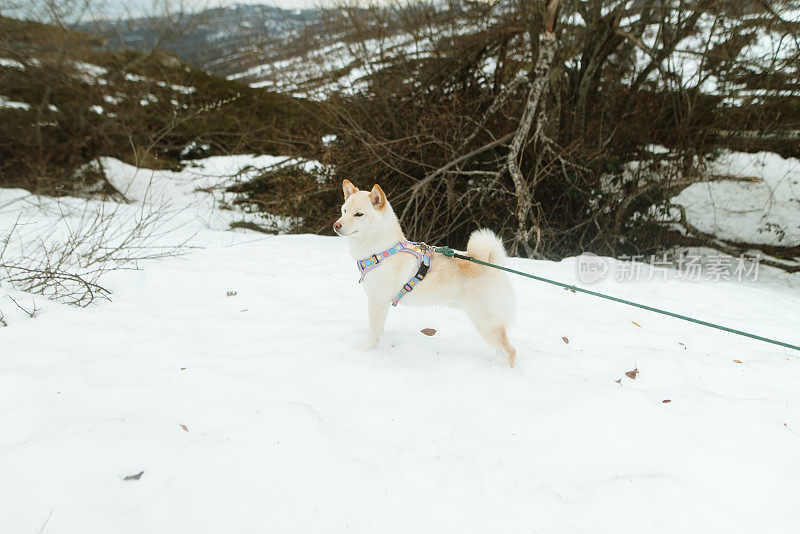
547,52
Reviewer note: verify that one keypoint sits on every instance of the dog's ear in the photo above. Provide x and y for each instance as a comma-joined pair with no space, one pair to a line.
348,189
377,197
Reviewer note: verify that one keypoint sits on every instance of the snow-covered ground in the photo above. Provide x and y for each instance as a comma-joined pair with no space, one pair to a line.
336,63
745,198
763,208
230,376
11,104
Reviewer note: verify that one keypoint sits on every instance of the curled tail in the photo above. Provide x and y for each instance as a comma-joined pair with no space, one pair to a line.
484,245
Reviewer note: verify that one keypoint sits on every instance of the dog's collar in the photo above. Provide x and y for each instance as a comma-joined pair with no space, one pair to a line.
420,250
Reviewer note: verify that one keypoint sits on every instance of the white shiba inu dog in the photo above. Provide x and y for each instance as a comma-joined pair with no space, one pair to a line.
373,232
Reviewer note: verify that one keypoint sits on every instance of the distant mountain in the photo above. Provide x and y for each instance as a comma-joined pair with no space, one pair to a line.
214,39
61,111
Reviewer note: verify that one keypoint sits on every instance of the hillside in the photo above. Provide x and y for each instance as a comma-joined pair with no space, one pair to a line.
641,103
67,100
216,40
227,386
180,333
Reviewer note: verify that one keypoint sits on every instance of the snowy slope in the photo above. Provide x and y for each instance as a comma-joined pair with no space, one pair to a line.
290,428
765,210
341,63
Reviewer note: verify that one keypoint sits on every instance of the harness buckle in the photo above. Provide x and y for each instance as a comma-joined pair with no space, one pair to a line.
421,251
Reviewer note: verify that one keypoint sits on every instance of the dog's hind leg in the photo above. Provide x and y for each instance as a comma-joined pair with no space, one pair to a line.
509,348
495,335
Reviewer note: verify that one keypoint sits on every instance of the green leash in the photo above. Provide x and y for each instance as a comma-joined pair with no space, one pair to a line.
447,251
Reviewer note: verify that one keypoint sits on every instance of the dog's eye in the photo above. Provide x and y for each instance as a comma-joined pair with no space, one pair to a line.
359,214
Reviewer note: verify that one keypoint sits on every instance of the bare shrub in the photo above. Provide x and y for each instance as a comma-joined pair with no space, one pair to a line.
66,261
296,196
518,115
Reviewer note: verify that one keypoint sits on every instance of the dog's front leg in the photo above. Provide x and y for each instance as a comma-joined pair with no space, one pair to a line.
378,309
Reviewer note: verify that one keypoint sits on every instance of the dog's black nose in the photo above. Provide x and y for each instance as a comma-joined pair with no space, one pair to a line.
337,225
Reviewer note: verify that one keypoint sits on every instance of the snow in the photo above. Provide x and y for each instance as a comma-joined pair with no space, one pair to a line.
340,64
91,73
151,98
11,63
7,103
751,198
763,211
769,46
197,191
183,89
12,104
250,343
186,90
113,100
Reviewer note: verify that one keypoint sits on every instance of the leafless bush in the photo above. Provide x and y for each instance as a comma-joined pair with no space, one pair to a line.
517,114
67,261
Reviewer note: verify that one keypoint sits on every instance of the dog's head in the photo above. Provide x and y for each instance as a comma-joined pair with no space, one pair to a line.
362,211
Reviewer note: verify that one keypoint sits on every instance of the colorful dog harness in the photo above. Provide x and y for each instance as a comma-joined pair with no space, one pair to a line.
420,250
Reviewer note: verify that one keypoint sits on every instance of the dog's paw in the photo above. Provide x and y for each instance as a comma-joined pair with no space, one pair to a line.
369,343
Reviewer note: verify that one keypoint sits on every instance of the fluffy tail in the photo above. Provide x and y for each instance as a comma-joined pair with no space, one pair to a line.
484,245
